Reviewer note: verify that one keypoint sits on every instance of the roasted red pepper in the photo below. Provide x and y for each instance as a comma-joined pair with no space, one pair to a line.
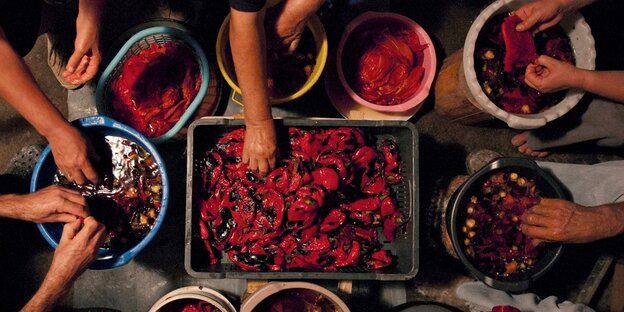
364,204
333,220
379,259
326,177
391,224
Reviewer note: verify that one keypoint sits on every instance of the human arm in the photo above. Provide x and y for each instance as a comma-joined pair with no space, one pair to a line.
548,75
546,13
19,88
287,20
51,204
248,42
558,220
83,63
76,250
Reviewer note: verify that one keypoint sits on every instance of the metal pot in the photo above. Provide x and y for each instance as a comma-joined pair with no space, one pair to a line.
548,187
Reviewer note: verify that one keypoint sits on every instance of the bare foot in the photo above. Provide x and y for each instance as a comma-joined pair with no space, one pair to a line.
520,141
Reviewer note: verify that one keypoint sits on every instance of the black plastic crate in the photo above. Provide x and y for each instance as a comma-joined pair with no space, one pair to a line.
203,135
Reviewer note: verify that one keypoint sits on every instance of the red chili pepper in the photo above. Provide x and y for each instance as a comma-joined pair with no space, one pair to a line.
364,204
326,177
334,219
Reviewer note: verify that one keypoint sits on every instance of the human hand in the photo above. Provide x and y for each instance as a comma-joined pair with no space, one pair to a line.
547,74
260,147
76,250
286,22
70,150
84,62
53,204
558,220
545,12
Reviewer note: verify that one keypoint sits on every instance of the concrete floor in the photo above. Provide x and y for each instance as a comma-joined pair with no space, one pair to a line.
443,145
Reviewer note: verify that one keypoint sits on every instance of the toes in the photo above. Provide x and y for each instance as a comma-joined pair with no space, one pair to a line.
520,139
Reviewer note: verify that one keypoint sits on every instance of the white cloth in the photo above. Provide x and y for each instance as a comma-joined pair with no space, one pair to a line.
480,297
590,185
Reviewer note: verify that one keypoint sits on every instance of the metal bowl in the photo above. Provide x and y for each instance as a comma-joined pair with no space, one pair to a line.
548,187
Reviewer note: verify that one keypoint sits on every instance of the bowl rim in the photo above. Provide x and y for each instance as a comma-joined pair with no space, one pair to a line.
272,288
320,38
178,31
572,21
108,259
455,204
207,294
419,97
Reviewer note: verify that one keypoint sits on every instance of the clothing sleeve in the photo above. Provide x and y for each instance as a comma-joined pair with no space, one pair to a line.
247,5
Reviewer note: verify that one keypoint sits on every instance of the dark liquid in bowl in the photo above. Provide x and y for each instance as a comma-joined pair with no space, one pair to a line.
189,305
296,300
508,90
128,200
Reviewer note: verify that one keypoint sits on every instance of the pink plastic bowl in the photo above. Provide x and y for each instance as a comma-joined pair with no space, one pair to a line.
429,62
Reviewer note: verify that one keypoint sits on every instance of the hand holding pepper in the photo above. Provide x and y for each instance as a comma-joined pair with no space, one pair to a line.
51,204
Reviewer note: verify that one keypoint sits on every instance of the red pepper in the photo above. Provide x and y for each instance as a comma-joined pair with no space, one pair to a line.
308,233
271,213
334,219
379,259
288,244
319,242
326,177
212,255
211,170
388,206
336,162
352,258
279,179
364,204
368,234
390,153
362,218
391,223
363,156
239,259
375,186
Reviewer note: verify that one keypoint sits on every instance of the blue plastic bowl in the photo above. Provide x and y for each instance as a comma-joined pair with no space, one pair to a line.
154,32
46,168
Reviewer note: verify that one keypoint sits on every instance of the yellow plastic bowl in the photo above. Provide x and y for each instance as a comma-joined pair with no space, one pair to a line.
224,58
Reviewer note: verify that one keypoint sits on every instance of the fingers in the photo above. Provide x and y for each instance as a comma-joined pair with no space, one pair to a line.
74,204
253,164
74,61
534,219
550,23
536,232
90,173
527,23
69,230
293,45
263,166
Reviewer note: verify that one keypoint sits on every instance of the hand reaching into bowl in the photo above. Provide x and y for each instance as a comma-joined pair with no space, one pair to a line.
287,20
558,220
77,248
547,75
51,204
70,150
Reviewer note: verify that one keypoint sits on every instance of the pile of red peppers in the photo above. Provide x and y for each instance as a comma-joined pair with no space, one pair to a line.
155,88
321,208
389,66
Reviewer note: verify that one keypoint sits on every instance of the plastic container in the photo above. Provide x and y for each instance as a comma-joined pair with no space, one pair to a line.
548,188
204,133
429,62
584,52
272,288
206,294
141,40
224,58
44,171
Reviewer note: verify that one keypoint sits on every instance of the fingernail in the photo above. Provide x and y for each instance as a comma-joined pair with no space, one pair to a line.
70,69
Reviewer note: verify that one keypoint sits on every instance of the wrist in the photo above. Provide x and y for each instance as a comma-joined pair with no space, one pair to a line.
9,207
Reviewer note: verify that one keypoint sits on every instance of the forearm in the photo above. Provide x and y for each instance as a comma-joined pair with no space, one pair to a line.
48,294
19,88
614,221
571,5
301,9
604,83
91,8
10,208
248,42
